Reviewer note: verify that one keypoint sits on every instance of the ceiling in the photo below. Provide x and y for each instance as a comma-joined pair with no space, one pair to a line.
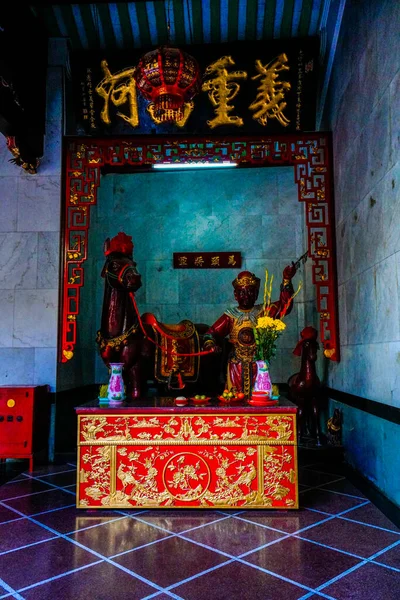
114,25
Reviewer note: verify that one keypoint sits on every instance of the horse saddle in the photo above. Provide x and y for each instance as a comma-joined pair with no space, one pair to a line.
172,341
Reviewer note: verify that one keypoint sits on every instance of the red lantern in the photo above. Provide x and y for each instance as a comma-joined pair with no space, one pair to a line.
168,77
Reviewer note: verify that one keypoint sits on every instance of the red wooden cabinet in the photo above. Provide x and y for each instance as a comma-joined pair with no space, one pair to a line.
24,421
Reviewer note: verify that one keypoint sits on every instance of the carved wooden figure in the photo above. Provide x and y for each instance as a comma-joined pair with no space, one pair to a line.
147,348
304,386
120,338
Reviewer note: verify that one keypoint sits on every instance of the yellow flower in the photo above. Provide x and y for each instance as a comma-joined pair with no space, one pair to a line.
279,325
270,323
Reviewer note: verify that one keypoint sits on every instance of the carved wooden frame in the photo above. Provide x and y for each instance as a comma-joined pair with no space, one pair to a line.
309,154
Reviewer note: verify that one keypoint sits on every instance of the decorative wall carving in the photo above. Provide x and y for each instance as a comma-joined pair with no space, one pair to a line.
309,154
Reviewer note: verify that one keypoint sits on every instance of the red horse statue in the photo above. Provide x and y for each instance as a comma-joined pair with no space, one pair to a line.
304,385
147,349
120,338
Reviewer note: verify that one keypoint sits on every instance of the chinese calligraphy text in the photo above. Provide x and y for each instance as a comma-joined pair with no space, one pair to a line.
207,260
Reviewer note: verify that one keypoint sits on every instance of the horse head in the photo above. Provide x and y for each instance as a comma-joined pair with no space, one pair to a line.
308,346
310,349
120,270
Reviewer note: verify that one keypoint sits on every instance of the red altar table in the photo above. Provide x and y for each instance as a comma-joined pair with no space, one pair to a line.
153,454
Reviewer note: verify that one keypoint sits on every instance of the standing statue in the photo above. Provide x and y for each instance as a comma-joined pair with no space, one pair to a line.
238,323
305,385
120,338
146,348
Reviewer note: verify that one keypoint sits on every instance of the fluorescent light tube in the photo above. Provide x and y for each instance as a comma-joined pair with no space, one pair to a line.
194,165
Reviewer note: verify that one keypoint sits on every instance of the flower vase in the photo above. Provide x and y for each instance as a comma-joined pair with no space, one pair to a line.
263,380
116,390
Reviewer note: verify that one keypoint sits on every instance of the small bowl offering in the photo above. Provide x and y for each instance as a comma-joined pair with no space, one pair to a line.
229,399
180,400
200,399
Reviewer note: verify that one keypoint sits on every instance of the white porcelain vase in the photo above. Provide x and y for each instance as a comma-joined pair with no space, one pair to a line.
263,380
116,390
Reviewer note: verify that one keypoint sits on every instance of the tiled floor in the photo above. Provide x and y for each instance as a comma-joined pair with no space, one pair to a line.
338,545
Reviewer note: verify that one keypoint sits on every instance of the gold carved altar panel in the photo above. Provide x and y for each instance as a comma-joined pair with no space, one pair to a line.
187,460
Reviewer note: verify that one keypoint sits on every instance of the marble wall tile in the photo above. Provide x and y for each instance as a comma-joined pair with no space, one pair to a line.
387,301
35,318
342,314
277,232
371,371
8,203
287,191
345,249
51,161
162,283
291,335
258,266
174,313
367,232
387,192
376,461
156,193
356,235
394,92
39,204
334,372
368,91
344,63
212,287
361,308
346,195
46,367
54,95
386,25
198,233
389,450
105,196
359,452
6,317
6,167
374,156
348,122
48,259
367,225
246,191
18,260
17,366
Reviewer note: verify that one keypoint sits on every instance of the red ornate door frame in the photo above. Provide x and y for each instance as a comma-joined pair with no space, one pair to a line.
309,154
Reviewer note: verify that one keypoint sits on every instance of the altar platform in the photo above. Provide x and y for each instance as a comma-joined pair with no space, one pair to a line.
153,454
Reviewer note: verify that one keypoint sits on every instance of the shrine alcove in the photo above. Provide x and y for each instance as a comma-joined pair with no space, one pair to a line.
254,211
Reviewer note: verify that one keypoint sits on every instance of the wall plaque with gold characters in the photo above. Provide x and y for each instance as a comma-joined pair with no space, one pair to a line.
247,87
207,260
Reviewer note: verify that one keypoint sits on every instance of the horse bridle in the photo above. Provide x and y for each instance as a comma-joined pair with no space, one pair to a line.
122,272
